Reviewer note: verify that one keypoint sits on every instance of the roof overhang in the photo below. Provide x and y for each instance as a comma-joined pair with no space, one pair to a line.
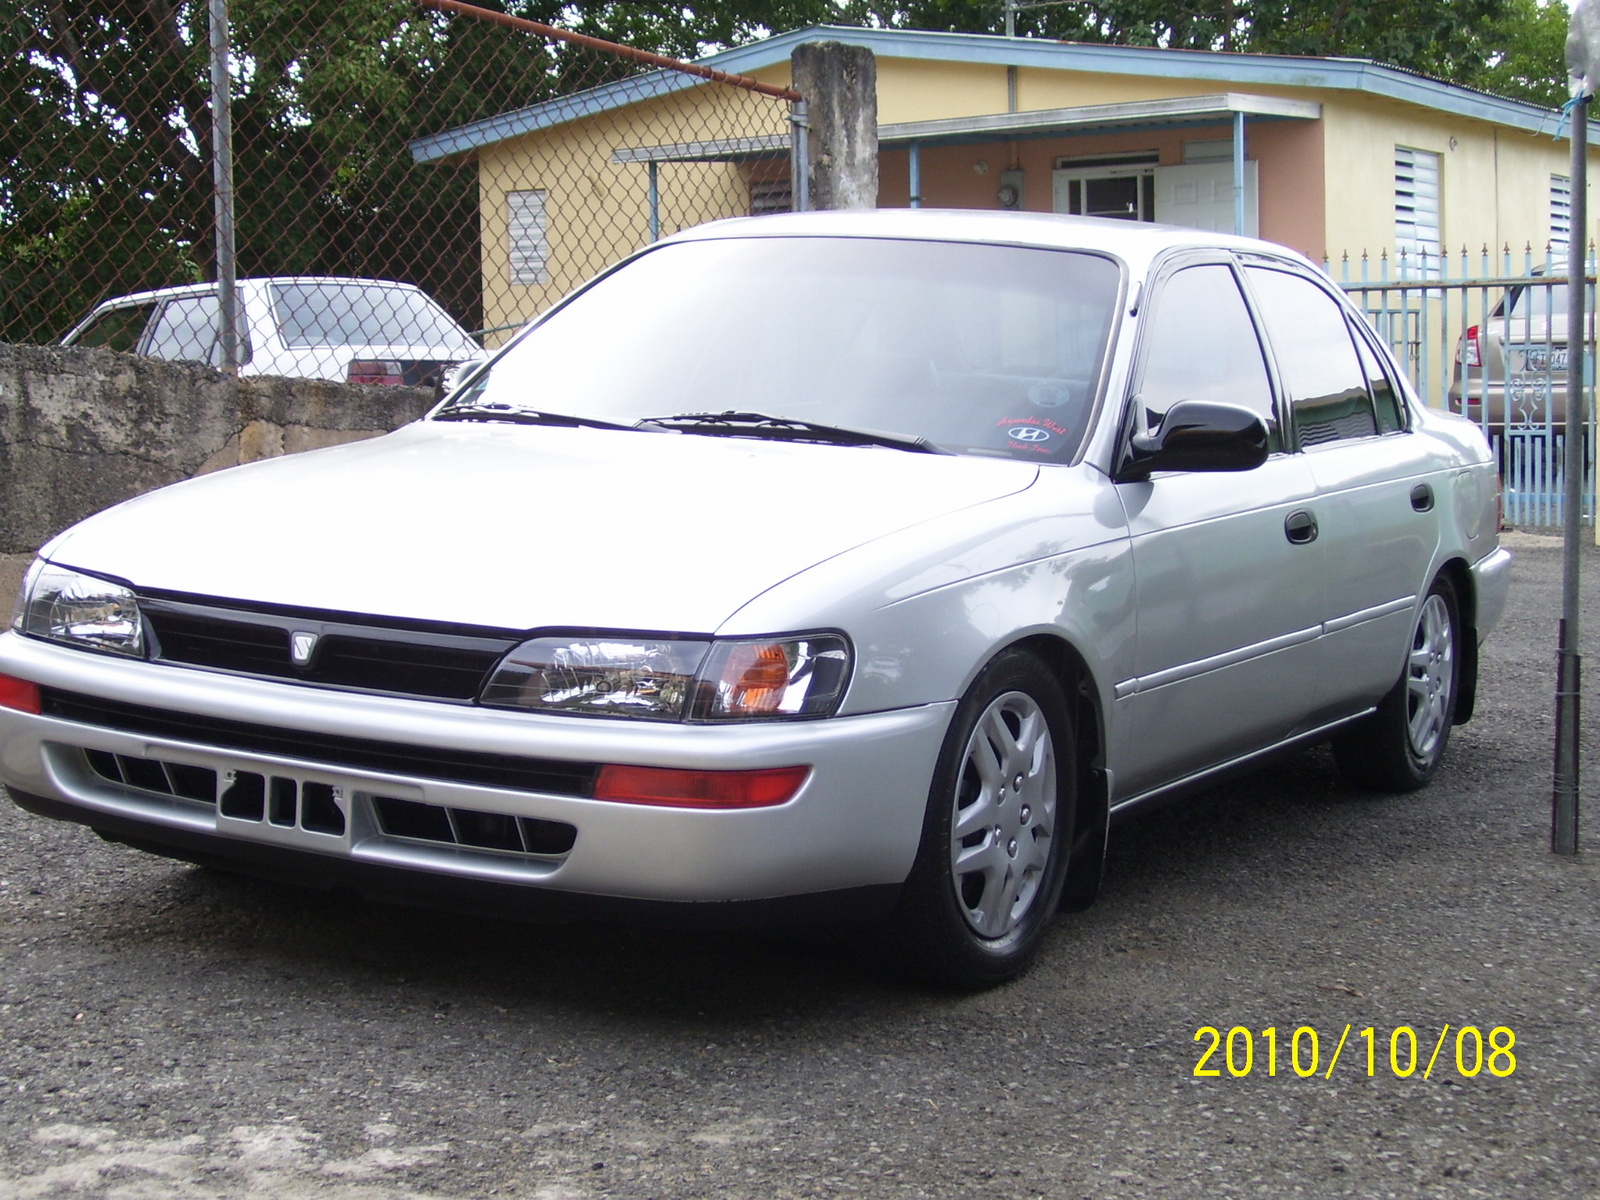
1329,75
1133,116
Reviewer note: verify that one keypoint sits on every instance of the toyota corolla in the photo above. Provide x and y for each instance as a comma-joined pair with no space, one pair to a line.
857,567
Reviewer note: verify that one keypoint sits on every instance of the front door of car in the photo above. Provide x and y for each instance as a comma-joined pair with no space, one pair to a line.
1229,578
1377,500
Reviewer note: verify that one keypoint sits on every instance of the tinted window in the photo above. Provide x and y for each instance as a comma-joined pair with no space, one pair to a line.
986,349
186,329
1386,400
334,312
1326,382
117,329
1200,344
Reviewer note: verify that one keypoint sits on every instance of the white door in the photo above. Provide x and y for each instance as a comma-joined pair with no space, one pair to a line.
1200,196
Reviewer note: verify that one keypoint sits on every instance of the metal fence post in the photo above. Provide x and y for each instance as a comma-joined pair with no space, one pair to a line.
1564,793
222,183
800,156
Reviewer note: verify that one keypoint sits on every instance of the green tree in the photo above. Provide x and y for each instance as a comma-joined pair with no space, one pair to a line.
1523,53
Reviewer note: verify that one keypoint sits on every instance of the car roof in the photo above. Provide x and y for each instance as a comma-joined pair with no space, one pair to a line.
1136,242
200,289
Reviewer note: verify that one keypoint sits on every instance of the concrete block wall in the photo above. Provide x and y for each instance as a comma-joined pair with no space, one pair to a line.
84,428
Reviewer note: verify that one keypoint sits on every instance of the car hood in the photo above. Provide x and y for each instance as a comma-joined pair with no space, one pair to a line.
519,527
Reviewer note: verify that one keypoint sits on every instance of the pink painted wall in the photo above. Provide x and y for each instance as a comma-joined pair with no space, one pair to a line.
1290,154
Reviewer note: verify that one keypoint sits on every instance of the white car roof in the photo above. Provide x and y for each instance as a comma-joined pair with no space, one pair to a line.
200,289
1135,242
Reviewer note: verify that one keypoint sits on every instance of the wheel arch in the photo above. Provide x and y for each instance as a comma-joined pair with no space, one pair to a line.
1460,577
1091,816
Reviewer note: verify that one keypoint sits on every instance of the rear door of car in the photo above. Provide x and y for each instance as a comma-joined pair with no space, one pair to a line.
1229,591
1375,510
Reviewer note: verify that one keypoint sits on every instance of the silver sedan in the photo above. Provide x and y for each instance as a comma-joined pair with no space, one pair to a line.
844,566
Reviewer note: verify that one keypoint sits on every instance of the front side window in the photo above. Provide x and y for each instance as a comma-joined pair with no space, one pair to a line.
117,328
977,348
1316,357
1200,344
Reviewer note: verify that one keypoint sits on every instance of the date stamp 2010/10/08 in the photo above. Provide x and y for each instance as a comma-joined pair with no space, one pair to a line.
1236,1050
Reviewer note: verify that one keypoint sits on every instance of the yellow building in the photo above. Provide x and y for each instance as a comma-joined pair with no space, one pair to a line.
1336,156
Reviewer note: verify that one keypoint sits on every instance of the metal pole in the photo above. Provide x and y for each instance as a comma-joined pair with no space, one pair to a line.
222,184
1011,18
800,156
1564,795
655,201
1238,173
914,154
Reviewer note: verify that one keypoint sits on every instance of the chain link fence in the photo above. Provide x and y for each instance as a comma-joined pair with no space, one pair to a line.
410,182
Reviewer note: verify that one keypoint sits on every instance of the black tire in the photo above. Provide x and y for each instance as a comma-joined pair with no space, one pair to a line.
1013,833
1399,747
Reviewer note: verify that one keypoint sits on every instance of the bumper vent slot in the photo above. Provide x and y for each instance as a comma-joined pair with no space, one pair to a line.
152,775
452,766
467,827
427,663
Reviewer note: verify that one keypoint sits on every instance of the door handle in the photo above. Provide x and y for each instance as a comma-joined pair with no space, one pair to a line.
1422,498
1300,527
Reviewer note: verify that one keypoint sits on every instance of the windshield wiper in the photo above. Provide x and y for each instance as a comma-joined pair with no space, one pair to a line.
514,415
787,429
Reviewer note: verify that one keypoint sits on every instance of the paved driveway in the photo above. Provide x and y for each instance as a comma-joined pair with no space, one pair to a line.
171,1032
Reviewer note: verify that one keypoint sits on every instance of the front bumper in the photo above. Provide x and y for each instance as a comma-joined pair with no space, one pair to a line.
854,824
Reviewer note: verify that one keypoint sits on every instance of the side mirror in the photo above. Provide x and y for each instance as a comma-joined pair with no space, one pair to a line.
1197,436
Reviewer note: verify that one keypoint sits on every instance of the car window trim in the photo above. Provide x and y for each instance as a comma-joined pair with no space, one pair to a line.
1149,296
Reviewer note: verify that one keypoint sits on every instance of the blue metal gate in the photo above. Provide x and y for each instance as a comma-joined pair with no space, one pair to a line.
1488,339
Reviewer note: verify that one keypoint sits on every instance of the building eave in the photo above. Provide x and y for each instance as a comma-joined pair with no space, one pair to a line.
1350,75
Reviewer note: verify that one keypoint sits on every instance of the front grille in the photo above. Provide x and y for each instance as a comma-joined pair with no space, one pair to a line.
453,766
400,660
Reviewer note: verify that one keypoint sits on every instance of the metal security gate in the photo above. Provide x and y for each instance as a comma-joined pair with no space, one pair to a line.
1488,339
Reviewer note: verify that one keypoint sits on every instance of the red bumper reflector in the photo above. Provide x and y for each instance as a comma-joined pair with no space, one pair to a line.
19,694
677,788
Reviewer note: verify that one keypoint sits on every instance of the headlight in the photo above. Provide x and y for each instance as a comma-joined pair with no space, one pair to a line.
622,677
675,679
81,610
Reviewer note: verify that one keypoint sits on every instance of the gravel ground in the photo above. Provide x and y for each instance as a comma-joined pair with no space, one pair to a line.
173,1032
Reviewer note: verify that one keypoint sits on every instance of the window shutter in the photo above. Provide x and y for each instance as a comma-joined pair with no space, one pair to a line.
1560,214
1416,202
527,237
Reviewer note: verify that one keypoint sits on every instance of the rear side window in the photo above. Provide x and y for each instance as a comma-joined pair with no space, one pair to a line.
117,328
1200,344
1316,357
1385,399
332,312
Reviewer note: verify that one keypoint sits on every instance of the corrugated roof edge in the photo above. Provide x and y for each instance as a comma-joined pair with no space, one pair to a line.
1339,74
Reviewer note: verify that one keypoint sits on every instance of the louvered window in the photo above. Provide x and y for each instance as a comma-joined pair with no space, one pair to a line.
1560,214
1416,208
527,238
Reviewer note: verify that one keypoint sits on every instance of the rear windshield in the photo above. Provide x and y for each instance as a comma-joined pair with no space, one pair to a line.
983,349
349,313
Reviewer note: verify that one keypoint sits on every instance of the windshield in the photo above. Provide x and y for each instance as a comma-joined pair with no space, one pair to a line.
333,312
977,348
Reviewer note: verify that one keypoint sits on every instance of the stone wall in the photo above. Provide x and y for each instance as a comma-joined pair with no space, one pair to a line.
85,428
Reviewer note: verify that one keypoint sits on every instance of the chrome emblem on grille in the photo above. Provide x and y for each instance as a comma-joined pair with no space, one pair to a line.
301,647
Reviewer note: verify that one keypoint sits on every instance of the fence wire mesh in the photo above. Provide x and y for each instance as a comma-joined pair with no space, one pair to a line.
491,169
